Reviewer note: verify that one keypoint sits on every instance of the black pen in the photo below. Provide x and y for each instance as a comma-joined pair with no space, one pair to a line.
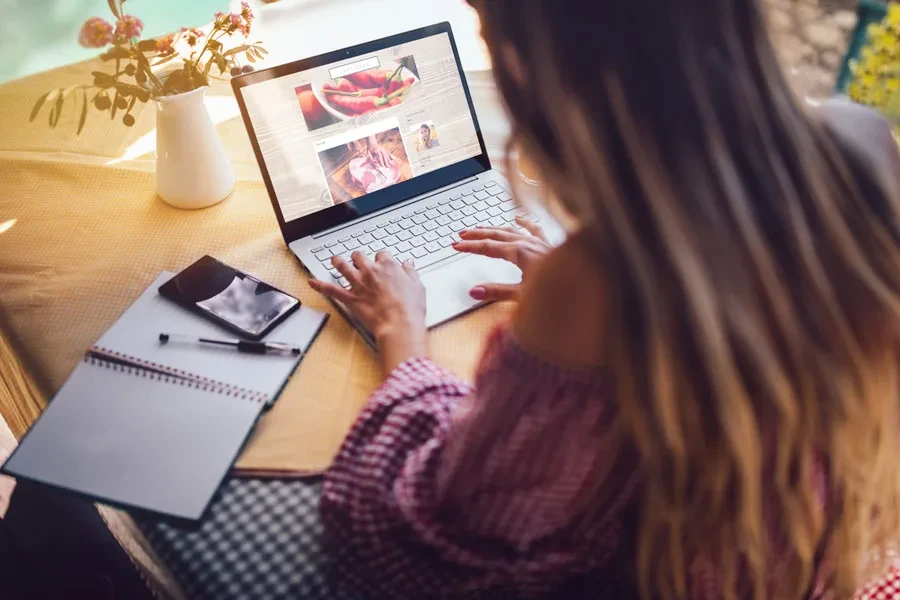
240,345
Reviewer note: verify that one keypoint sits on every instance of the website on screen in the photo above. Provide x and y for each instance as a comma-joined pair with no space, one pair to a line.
341,131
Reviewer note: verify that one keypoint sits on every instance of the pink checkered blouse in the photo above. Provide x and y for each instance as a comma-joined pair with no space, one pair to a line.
404,526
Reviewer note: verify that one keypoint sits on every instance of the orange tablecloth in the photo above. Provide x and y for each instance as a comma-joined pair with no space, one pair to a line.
82,233
89,234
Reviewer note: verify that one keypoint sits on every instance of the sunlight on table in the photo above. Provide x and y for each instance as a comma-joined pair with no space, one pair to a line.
7,225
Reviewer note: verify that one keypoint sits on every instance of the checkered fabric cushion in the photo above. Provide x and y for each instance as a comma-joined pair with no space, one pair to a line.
259,539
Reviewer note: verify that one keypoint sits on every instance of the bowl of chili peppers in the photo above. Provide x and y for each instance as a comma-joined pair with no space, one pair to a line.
365,92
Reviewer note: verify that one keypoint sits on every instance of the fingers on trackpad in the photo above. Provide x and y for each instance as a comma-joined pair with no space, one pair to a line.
448,286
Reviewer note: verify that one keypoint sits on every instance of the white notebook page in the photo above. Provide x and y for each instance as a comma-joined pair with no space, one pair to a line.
132,440
136,333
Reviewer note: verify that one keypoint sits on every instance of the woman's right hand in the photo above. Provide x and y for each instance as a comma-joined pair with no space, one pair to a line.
522,249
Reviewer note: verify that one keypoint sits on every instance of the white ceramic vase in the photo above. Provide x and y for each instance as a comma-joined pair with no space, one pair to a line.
192,169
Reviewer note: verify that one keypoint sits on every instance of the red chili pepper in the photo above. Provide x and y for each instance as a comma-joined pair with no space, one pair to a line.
341,84
355,105
363,101
374,78
396,84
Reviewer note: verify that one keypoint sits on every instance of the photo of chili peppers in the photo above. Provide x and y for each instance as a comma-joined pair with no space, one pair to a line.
368,91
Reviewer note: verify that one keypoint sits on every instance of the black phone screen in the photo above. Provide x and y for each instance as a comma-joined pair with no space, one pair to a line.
234,299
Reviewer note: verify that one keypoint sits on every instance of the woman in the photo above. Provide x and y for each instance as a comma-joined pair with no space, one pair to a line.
697,397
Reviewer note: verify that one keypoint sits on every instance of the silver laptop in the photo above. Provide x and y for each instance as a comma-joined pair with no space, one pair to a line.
377,147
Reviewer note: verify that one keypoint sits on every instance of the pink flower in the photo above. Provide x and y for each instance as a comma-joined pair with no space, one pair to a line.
129,27
246,13
165,45
95,33
221,18
191,35
238,24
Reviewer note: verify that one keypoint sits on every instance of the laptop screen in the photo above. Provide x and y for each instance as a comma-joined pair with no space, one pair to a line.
347,130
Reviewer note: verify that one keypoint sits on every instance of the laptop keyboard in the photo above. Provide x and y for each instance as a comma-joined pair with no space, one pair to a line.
427,233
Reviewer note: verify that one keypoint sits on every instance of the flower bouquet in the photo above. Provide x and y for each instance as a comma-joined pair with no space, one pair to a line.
136,75
192,168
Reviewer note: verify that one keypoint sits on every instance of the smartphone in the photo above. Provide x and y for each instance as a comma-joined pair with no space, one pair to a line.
230,298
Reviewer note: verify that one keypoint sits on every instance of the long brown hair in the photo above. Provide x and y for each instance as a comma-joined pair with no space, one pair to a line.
754,267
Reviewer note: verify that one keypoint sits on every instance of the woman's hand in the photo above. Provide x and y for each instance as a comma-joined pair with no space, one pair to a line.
388,299
521,249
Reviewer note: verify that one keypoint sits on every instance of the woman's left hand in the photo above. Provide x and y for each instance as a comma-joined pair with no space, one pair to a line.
388,299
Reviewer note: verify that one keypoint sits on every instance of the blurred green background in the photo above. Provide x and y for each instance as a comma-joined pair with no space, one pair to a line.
36,35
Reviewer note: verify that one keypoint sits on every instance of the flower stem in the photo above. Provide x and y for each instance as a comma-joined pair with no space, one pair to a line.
146,63
209,39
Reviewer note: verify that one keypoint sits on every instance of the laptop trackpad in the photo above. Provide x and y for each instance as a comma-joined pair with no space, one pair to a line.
448,286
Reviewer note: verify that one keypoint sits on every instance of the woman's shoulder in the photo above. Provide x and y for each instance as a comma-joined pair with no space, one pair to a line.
562,309
866,136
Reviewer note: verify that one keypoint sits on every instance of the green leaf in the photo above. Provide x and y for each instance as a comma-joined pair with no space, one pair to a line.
177,82
84,107
198,79
102,79
222,63
260,48
165,59
214,45
250,57
38,106
113,8
116,52
147,45
208,67
235,50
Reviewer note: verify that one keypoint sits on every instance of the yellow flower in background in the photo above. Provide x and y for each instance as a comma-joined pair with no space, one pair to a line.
868,80
876,32
892,20
889,44
876,74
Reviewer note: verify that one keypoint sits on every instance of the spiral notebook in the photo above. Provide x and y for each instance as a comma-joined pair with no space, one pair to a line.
151,427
